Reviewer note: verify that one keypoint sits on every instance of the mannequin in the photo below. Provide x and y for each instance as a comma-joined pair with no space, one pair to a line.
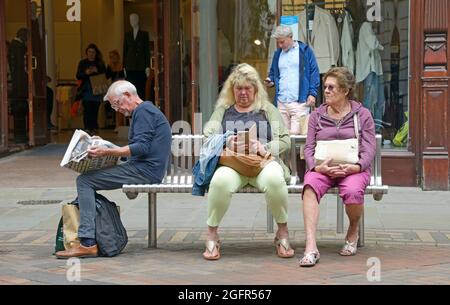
137,56
369,70
18,99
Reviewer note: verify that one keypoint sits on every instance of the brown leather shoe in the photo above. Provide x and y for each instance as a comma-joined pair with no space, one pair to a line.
78,251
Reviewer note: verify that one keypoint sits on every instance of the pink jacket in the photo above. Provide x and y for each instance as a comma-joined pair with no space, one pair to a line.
322,128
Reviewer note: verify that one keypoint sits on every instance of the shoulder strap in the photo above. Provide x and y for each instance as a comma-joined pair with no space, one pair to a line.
355,120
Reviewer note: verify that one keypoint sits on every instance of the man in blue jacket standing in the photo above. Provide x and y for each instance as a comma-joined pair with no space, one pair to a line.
295,75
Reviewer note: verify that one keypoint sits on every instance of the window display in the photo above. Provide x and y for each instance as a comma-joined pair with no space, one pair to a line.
371,38
244,29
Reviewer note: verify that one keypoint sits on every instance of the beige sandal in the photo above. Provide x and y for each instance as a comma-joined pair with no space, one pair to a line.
283,242
349,248
310,259
210,246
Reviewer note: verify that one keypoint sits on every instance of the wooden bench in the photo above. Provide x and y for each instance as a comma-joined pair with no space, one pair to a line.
179,179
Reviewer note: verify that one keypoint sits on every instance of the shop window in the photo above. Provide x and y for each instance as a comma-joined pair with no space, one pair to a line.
243,35
373,41
244,30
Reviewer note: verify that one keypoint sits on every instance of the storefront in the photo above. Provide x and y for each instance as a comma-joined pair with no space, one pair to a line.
23,87
407,91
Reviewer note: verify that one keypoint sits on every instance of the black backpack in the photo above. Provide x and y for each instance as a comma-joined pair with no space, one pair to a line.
110,233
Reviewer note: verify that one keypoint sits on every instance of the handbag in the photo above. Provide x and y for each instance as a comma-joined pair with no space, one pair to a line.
339,151
100,84
248,165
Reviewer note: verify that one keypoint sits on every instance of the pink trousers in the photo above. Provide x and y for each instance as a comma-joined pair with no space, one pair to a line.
351,188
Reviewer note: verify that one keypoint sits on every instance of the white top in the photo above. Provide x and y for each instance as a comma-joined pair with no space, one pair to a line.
348,53
368,57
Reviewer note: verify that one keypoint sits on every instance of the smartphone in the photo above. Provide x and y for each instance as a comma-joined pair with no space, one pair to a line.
243,136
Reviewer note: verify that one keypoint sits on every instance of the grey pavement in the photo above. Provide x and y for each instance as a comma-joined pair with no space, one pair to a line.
406,224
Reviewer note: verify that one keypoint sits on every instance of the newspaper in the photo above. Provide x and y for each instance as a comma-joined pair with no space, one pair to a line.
76,156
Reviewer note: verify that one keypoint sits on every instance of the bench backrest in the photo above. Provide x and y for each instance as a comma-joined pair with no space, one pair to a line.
186,151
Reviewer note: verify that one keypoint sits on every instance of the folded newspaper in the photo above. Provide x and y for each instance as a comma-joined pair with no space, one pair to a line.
76,156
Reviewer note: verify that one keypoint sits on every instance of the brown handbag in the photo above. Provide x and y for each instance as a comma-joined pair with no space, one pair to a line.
249,165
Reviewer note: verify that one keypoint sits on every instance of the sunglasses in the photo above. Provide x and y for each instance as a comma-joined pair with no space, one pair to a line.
329,87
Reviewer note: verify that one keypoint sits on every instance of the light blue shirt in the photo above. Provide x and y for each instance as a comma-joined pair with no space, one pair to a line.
289,75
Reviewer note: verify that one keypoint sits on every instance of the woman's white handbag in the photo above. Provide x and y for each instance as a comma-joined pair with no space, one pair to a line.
339,151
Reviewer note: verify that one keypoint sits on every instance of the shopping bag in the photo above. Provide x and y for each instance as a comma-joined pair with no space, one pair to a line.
71,222
401,137
100,84
110,234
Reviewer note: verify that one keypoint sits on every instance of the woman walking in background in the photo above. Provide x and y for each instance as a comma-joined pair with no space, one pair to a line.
90,66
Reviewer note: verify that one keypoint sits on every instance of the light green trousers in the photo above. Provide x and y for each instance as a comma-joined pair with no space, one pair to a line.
226,181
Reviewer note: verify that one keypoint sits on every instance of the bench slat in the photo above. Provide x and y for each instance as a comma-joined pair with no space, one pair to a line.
187,188
179,178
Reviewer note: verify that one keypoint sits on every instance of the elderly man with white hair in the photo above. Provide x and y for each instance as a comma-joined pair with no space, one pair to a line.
148,151
295,75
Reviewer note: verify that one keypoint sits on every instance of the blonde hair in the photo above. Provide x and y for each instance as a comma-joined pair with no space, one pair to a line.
345,79
243,74
117,66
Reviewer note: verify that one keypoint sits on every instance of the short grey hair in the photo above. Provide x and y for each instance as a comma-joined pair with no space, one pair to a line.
119,88
283,31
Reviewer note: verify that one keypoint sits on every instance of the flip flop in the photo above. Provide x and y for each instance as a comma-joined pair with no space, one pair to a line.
210,246
283,242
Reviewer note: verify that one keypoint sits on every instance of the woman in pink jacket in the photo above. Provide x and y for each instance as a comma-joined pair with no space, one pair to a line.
335,120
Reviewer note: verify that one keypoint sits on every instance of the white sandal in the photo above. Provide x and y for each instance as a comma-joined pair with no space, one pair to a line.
310,259
349,248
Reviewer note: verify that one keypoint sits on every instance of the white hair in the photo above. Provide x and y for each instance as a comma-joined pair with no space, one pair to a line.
119,88
283,31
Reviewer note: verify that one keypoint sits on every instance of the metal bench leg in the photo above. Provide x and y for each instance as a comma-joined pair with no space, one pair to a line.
269,221
340,215
361,240
152,234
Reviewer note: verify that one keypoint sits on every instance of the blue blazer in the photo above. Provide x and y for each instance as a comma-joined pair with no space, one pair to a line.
308,69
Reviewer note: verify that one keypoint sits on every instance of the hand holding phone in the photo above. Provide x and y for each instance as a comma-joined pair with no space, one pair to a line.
243,136
242,142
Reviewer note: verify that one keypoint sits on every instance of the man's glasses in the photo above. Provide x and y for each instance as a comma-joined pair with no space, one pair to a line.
115,104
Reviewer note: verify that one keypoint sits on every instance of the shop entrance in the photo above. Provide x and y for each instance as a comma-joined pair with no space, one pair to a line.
26,72
169,24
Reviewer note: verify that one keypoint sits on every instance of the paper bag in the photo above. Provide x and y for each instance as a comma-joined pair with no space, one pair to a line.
100,84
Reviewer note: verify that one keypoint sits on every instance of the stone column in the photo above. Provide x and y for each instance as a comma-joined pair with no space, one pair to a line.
208,58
